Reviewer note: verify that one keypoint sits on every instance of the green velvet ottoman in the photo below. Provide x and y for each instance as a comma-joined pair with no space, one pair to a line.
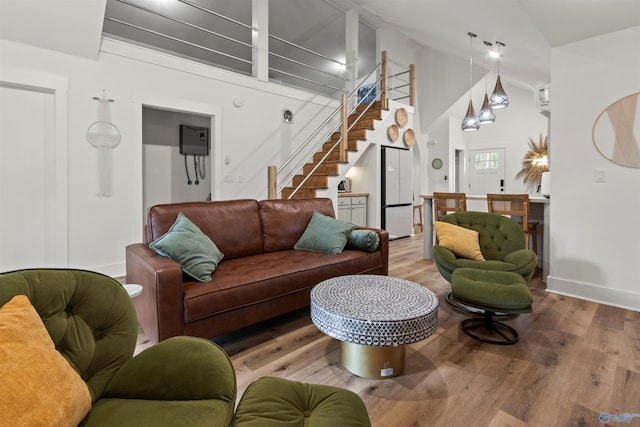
276,402
491,291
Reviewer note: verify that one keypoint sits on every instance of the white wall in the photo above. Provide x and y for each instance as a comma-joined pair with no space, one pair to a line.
443,78
253,136
406,51
594,226
512,129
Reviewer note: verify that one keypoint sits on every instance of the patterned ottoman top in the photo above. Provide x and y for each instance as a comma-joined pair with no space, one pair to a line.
374,310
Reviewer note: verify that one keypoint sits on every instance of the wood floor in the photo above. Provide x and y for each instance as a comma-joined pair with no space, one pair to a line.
575,360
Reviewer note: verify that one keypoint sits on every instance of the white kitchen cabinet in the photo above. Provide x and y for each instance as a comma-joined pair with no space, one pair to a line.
353,209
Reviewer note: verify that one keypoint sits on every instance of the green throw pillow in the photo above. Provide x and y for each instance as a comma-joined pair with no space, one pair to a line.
324,234
191,248
364,240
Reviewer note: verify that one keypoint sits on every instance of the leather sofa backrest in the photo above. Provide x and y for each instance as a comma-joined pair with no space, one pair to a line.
284,221
233,225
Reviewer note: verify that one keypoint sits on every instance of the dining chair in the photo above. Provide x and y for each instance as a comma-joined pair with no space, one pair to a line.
516,205
444,203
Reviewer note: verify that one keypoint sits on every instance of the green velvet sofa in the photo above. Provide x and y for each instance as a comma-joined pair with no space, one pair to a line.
182,381
502,243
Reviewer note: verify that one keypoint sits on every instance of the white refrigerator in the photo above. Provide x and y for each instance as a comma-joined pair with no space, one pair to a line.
397,191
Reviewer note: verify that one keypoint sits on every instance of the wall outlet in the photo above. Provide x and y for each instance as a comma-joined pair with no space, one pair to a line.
229,179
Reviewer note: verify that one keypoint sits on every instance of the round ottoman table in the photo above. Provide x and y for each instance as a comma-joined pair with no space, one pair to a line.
374,317
491,291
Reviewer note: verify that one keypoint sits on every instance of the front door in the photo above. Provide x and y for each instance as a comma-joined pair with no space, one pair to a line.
486,171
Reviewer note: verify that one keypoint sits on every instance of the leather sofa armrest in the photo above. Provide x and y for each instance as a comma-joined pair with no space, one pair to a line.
159,306
179,368
383,246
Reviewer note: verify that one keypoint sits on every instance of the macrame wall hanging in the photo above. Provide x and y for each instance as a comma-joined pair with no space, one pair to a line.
103,135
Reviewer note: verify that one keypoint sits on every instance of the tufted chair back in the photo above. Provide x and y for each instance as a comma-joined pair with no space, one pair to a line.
498,235
89,316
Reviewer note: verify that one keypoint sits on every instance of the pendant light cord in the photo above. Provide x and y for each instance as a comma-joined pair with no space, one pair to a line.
486,66
471,37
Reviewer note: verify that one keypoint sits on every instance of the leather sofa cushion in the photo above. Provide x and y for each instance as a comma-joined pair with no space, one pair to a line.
234,226
253,279
284,221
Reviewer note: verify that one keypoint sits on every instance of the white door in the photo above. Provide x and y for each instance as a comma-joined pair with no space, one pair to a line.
405,190
392,176
486,171
27,179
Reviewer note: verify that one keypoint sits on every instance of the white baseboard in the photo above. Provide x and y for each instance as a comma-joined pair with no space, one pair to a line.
600,294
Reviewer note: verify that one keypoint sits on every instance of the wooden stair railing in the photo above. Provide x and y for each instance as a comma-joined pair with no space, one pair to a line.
315,172
329,157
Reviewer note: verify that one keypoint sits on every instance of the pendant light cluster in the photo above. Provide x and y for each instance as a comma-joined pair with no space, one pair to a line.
498,99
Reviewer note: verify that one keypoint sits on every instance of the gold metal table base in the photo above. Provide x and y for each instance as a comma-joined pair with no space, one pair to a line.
373,362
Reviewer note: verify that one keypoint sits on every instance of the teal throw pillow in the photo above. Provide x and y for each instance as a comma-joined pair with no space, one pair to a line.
191,248
324,234
364,240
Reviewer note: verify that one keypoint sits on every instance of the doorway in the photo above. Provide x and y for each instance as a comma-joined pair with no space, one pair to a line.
169,176
156,173
486,171
33,162
460,172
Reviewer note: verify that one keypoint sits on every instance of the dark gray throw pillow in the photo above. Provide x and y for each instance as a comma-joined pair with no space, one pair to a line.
187,245
364,240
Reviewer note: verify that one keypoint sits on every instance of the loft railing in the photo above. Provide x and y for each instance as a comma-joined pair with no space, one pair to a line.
232,52
398,85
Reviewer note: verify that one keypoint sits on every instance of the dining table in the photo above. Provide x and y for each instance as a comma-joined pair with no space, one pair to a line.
539,211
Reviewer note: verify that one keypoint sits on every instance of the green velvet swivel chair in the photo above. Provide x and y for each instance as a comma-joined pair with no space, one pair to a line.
502,243
92,322
182,381
495,287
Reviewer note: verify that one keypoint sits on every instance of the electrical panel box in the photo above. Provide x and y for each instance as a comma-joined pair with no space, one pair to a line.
542,99
194,140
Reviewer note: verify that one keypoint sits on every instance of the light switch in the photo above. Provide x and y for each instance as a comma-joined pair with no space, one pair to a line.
601,175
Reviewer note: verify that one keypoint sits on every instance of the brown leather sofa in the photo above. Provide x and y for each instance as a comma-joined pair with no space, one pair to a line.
260,277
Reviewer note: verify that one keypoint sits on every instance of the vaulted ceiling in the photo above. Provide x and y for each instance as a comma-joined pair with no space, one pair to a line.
529,28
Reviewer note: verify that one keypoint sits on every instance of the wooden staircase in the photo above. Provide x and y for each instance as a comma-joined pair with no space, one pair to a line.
319,179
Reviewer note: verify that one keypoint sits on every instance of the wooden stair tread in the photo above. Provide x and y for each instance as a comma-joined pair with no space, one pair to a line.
313,181
352,145
370,114
330,167
303,193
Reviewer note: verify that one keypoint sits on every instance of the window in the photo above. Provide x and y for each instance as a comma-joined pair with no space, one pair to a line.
487,160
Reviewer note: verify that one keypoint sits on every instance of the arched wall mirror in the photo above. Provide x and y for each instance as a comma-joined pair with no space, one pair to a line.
616,131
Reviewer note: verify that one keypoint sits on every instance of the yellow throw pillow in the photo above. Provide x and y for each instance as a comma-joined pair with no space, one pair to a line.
38,386
459,240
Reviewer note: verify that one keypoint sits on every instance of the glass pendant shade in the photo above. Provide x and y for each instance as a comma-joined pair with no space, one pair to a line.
470,121
486,115
499,98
